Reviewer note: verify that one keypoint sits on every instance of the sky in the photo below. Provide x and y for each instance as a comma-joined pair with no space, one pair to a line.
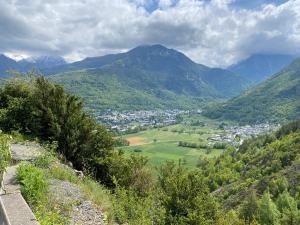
211,32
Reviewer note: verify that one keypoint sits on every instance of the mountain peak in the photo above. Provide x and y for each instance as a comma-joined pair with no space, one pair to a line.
6,58
47,61
158,53
156,49
148,47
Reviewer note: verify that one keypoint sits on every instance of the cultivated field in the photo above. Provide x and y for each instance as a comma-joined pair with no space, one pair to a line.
162,144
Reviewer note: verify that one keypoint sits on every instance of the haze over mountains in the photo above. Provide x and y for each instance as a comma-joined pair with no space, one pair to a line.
276,100
259,67
24,65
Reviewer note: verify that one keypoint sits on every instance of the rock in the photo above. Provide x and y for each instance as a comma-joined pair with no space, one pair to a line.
84,212
79,173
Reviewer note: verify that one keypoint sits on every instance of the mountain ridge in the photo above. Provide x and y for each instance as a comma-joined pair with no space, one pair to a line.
158,73
275,100
259,67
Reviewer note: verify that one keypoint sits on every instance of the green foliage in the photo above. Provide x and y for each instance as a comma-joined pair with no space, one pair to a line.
133,209
5,154
34,188
40,108
231,218
47,158
274,100
33,183
288,207
185,196
131,173
249,209
268,213
97,193
63,173
119,142
220,145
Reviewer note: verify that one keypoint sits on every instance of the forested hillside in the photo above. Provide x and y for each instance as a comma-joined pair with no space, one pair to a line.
275,100
147,77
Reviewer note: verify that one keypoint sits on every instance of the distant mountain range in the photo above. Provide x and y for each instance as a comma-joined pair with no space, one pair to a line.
147,77
259,67
276,100
40,63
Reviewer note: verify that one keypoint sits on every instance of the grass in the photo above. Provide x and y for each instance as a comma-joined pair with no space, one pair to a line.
34,188
35,178
161,144
61,172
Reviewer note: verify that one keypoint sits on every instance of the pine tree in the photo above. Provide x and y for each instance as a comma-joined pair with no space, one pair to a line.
288,207
249,208
267,211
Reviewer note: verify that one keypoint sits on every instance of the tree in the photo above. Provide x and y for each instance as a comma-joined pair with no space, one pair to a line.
267,211
288,207
43,109
249,208
185,196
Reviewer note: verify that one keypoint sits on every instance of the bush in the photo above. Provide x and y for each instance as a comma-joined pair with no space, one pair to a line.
5,154
129,208
220,145
33,183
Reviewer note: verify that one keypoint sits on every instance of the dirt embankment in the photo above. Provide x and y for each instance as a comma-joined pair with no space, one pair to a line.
136,141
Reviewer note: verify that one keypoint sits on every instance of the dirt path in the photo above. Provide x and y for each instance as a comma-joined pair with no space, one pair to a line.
25,152
83,211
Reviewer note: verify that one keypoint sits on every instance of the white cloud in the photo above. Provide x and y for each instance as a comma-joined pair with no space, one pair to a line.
211,32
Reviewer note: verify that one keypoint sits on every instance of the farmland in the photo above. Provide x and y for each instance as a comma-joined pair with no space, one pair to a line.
161,144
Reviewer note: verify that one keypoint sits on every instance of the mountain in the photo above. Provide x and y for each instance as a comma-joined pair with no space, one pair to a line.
150,76
43,62
259,67
276,100
6,64
40,63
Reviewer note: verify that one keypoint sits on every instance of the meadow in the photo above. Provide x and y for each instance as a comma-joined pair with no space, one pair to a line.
161,144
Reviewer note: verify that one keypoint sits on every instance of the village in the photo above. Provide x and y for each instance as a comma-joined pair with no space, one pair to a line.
123,121
235,135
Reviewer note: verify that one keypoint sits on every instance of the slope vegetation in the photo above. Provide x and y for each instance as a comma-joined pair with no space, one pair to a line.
146,77
275,100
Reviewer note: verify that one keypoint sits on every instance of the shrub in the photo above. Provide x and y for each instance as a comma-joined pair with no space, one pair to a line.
5,155
33,183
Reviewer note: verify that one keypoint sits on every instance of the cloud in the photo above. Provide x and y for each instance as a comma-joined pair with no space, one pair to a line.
210,32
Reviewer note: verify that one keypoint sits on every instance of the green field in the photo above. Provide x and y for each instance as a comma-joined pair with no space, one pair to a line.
161,144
